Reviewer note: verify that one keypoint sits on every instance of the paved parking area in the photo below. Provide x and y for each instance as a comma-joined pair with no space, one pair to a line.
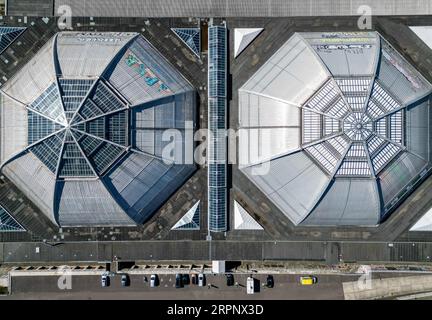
287,286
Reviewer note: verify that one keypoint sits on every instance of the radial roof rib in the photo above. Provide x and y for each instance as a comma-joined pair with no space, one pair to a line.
13,119
100,152
400,145
343,152
338,52
316,127
293,183
262,160
355,91
88,55
101,101
369,160
81,119
75,119
140,76
258,145
355,162
328,100
139,182
348,202
382,152
400,77
382,101
329,71
29,147
264,135
32,177
59,160
287,66
50,104
329,153
73,93
73,162
375,69
96,205
100,138
40,127
32,80
57,73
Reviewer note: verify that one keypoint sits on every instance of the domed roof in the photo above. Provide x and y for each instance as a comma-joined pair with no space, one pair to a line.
340,120
82,128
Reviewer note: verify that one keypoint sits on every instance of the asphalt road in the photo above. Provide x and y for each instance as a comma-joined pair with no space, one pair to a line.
89,287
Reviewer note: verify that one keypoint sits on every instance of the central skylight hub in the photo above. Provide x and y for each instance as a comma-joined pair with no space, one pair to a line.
358,126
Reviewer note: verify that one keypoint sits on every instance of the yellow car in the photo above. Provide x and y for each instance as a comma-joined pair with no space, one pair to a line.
308,280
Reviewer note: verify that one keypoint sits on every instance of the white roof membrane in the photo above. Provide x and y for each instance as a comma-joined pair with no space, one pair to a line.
424,223
244,37
243,220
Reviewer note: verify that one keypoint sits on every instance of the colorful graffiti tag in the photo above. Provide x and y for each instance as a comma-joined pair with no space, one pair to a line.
148,75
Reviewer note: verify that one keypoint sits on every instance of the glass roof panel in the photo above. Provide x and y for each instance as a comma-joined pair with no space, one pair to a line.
39,127
49,104
8,223
73,163
8,35
191,37
73,92
48,151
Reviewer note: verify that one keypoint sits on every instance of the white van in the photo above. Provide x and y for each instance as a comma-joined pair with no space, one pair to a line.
250,285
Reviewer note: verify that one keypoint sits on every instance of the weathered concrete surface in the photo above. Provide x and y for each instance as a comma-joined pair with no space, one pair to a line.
388,287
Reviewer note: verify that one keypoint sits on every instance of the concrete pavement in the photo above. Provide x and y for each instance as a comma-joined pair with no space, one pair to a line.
314,251
89,287
387,287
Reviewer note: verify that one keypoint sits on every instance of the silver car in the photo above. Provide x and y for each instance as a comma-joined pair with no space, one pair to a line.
201,280
125,282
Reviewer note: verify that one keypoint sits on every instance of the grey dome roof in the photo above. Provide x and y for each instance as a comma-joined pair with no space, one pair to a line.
82,127
341,120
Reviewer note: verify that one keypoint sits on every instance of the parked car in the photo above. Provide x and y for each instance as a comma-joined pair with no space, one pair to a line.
201,280
270,281
250,285
178,282
229,280
194,278
154,280
105,280
125,280
185,279
308,280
